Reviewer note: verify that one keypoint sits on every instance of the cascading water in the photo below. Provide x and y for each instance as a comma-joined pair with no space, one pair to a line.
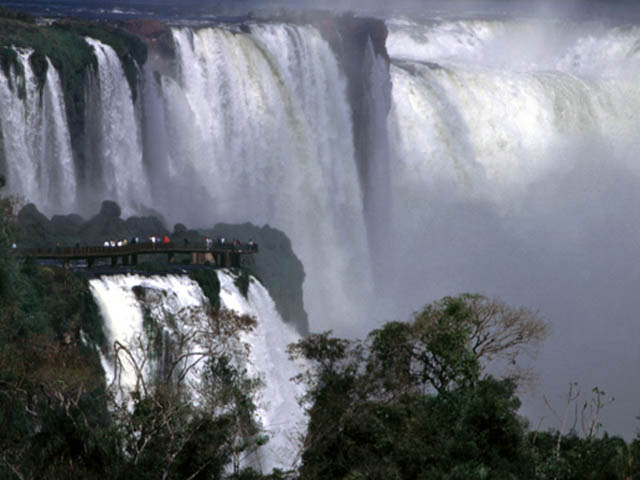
35,138
278,409
376,175
177,304
269,140
123,176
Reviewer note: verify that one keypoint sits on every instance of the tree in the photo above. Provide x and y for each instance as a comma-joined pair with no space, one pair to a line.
496,331
411,400
190,411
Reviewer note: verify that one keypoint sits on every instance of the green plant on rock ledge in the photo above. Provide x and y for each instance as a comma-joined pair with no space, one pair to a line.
208,281
242,280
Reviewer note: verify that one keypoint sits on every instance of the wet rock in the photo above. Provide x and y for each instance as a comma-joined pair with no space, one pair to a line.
277,267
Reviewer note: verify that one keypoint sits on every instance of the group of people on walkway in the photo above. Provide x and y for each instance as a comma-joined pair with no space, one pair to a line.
119,243
209,243
234,244
164,240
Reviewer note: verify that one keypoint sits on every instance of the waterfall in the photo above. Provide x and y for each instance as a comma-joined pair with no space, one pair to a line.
262,132
478,132
177,303
377,168
36,145
123,175
278,409
250,127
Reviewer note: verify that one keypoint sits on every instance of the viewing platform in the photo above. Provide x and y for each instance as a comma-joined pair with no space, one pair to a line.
220,255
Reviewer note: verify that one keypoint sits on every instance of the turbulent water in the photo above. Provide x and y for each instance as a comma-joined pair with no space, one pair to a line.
180,309
500,158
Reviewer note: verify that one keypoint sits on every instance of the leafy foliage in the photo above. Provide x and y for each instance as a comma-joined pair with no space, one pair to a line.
242,280
409,403
208,281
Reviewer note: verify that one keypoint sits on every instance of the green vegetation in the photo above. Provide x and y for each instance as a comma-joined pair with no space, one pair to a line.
412,402
242,280
209,284
50,380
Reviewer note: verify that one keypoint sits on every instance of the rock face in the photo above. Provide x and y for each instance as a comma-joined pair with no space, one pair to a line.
155,34
67,225
277,267
110,209
36,230
351,37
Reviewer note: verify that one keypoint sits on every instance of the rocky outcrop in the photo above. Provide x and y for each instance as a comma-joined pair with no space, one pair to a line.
36,230
67,225
276,266
155,34
351,37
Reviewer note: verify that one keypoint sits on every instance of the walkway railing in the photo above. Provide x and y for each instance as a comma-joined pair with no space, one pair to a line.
220,254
